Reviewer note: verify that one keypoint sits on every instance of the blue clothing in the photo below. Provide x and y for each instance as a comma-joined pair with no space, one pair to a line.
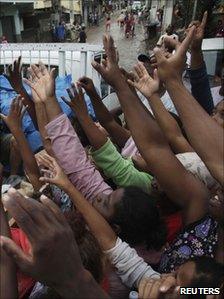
32,135
60,32
200,88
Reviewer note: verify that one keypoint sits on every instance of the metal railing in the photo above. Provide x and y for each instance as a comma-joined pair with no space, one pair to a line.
74,59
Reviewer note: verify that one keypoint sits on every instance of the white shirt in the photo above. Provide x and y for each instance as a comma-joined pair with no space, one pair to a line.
131,268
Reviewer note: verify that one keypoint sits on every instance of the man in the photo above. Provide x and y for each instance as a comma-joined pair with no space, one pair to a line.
82,35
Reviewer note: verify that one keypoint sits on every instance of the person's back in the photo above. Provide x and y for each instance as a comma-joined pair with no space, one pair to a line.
82,36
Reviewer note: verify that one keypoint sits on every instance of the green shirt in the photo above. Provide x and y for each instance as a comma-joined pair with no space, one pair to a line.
122,171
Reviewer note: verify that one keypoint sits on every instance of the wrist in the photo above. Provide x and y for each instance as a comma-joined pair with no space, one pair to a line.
74,286
173,82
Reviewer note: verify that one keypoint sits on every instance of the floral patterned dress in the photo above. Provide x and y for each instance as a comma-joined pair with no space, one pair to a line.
197,239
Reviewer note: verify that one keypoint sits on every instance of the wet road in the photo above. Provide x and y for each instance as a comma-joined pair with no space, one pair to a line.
129,48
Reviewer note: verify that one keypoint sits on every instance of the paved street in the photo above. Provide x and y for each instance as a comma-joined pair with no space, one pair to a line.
128,48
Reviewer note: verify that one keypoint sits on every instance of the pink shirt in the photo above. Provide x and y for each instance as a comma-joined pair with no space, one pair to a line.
129,150
72,158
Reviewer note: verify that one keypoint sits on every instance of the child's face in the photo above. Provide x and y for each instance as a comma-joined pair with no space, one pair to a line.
105,204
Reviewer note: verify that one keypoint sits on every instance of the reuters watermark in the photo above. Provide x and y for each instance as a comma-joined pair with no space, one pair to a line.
199,291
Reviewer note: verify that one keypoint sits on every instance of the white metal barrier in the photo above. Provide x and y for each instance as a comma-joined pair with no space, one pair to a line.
74,59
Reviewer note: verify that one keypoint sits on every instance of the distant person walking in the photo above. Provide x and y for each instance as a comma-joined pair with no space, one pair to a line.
60,32
108,24
82,35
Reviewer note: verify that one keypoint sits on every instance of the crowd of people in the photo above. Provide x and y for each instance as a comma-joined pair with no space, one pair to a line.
128,20
138,202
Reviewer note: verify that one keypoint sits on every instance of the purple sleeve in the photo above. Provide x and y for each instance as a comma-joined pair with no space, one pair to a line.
72,158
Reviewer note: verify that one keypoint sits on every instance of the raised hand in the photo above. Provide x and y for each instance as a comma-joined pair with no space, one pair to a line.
109,69
14,119
172,67
159,288
14,75
77,101
55,174
42,82
50,236
199,32
144,82
87,84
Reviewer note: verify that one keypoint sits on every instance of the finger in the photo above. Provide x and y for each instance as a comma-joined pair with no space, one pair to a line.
80,92
16,253
204,20
104,62
111,50
53,74
132,83
155,291
66,101
9,70
43,68
54,208
71,96
44,162
36,71
142,68
141,287
19,65
186,42
194,23
155,75
159,55
31,73
99,68
23,219
148,288
138,70
47,180
74,89
168,283
28,82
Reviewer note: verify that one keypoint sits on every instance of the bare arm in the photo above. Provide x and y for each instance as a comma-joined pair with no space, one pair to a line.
9,288
203,132
180,186
169,126
77,103
13,121
144,83
119,134
15,78
42,122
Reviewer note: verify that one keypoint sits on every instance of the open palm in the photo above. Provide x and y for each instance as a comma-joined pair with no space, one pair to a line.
42,82
144,82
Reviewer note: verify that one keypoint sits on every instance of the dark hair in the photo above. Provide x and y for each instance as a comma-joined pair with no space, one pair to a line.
89,248
208,273
139,219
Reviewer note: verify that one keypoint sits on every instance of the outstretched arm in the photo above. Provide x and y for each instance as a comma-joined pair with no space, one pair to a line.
204,134
179,185
119,134
77,103
131,268
144,83
8,279
65,143
14,76
200,87
13,121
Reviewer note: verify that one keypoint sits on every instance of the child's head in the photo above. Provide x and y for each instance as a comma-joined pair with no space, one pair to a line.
200,272
134,215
